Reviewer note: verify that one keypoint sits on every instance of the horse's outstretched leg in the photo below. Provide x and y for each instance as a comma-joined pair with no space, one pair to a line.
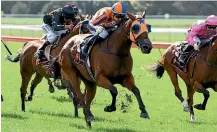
34,84
190,100
73,96
173,77
199,88
128,82
51,88
102,81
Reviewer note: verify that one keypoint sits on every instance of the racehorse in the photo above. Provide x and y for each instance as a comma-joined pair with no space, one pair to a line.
201,73
29,66
110,62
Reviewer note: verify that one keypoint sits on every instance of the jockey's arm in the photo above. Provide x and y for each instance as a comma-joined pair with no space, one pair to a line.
98,21
192,35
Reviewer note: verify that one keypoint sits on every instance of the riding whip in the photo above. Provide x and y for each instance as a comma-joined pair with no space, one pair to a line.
6,47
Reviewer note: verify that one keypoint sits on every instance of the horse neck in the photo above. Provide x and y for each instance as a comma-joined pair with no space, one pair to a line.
119,42
212,53
67,37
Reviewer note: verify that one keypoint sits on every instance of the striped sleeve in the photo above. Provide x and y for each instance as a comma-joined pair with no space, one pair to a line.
99,19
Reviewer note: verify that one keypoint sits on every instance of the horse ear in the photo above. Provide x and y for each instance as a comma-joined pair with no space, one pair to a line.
143,14
131,16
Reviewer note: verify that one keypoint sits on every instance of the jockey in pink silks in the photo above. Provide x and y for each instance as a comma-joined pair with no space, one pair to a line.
200,32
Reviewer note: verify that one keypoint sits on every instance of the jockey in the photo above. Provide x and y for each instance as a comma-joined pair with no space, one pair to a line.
56,23
106,19
200,32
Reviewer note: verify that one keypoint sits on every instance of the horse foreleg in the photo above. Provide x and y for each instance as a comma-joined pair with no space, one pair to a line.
103,82
129,83
199,88
34,84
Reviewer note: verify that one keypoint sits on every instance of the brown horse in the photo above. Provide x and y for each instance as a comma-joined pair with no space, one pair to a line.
29,66
201,74
110,62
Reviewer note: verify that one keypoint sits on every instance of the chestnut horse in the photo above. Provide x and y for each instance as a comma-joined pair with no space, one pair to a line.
110,62
201,74
29,66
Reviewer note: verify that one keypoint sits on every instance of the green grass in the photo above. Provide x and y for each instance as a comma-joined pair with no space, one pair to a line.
22,21
22,33
54,112
172,23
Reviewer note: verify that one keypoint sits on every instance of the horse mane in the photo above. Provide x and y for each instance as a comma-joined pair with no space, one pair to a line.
213,39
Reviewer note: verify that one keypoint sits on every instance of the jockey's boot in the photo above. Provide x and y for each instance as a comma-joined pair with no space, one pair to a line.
184,55
39,54
87,44
187,48
182,59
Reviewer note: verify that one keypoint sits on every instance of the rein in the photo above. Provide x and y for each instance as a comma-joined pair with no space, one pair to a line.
207,62
112,53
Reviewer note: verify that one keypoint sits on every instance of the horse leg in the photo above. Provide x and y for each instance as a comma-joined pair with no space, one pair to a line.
173,77
199,88
34,84
102,81
25,81
215,87
190,92
73,97
51,88
90,94
129,83
71,75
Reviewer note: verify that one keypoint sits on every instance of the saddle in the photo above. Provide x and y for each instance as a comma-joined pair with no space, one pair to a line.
78,46
178,52
85,61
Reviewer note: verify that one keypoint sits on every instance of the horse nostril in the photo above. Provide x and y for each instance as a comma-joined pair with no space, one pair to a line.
145,47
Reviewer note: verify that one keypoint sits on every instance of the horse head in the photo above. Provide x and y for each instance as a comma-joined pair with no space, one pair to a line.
137,27
212,51
214,43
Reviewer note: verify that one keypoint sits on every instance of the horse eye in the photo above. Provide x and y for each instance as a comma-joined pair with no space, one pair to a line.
136,29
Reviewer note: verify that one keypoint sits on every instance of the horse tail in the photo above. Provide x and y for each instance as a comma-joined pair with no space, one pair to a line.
158,68
11,59
17,58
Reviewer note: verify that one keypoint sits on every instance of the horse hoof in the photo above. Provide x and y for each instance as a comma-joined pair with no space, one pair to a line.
193,118
109,109
29,98
186,109
89,125
199,107
76,116
90,118
79,106
144,115
51,89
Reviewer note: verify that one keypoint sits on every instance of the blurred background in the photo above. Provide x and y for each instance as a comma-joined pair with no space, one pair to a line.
169,19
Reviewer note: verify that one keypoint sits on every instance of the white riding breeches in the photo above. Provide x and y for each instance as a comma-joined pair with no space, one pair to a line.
51,34
103,33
